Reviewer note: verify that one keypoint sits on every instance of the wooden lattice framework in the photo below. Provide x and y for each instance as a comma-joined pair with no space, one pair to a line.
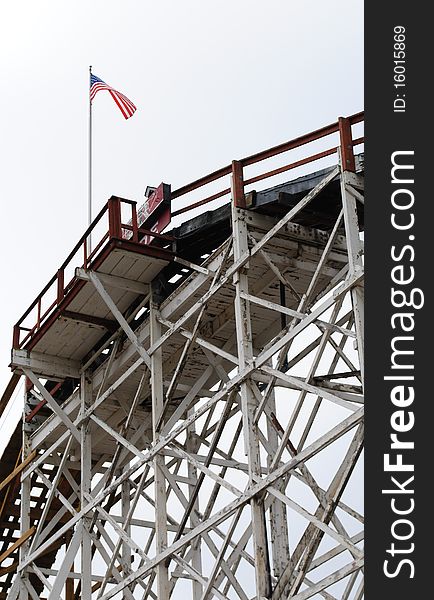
205,447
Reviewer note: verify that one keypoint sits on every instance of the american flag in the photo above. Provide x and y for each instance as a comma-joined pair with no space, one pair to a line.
125,105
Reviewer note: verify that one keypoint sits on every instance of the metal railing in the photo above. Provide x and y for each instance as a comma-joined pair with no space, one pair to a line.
343,127
116,228
56,290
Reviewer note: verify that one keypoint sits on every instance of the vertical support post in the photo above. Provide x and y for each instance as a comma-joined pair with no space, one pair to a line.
125,507
134,222
25,502
114,214
249,403
85,254
192,446
278,519
238,197
69,584
86,478
39,309
16,337
160,482
346,141
355,261
60,286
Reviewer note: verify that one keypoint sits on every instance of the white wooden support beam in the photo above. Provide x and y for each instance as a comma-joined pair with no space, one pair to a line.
350,585
355,180
24,548
157,391
119,317
117,436
310,540
203,343
278,519
311,318
226,571
85,488
355,539
55,407
346,543
322,442
219,517
56,492
197,577
50,496
297,208
222,482
127,522
193,266
41,576
212,576
192,445
126,539
65,566
249,404
333,434
49,367
354,192
297,314
328,581
323,260
114,572
355,259
31,590
307,387
122,283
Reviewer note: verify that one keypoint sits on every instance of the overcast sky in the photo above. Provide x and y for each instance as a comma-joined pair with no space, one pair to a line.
212,81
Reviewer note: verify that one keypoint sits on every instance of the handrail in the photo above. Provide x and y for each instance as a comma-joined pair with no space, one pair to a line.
116,228
65,263
263,155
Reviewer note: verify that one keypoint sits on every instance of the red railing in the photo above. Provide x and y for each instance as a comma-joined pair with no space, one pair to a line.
343,127
56,290
116,228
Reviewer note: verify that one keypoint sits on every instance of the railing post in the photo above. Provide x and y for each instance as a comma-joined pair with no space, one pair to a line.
85,253
39,308
114,212
134,222
346,142
60,285
16,337
239,199
28,385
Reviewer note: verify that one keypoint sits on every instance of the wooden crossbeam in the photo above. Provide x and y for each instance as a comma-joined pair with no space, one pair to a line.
18,543
9,569
90,320
17,470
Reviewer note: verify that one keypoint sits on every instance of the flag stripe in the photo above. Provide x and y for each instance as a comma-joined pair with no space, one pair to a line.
125,105
119,102
127,101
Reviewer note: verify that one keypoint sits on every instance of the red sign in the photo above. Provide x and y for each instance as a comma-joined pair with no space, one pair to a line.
155,213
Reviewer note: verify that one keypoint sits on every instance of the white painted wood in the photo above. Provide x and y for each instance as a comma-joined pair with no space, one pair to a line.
114,281
160,481
65,567
55,407
85,488
158,429
249,405
51,367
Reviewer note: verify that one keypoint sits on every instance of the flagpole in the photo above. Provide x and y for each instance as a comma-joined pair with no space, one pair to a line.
90,169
